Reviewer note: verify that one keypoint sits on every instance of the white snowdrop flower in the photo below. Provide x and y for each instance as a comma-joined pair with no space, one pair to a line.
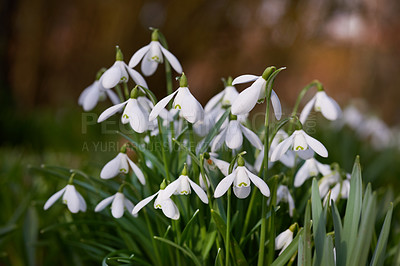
353,117
340,190
163,202
153,54
248,98
120,164
189,107
212,161
283,194
232,135
135,112
324,104
183,185
283,240
301,143
310,168
71,197
118,203
120,72
203,127
376,129
201,181
327,181
223,99
241,178
95,93
288,158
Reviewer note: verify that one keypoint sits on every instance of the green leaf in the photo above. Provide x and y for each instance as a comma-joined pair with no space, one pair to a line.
328,256
192,155
209,241
337,224
353,212
289,251
304,250
186,251
188,226
235,249
150,94
214,131
379,254
318,222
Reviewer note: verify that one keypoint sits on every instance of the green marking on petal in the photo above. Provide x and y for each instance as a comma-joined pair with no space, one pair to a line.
184,192
125,116
123,170
299,148
155,58
178,107
243,184
158,206
124,79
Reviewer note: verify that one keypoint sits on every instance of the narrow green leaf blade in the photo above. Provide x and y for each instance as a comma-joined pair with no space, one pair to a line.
318,216
188,226
380,250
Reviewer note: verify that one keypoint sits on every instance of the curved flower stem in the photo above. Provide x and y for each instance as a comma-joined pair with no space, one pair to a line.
300,97
228,227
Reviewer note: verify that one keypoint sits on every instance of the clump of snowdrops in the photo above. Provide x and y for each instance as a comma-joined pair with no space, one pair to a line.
202,186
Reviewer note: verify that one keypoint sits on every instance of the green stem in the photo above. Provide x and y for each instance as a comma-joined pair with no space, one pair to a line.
192,148
119,92
126,90
228,227
158,258
163,150
300,97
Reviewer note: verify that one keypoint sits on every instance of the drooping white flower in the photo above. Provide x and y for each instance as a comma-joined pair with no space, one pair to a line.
135,112
223,99
241,178
232,135
118,203
163,202
310,168
120,72
283,194
93,94
248,98
189,107
153,54
301,143
327,181
324,104
288,158
340,190
283,240
71,197
183,185
120,164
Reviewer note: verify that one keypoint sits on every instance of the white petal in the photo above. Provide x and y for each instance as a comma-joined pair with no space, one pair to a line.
112,76
143,203
136,57
282,239
306,154
137,78
172,60
161,105
324,169
299,141
71,199
137,172
306,110
82,203
170,189
218,140
199,191
224,185
129,205
281,149
317,146
252,137
83,94
233,137
91,99
242,192
54,198
191,109
128,110
302,175
112,168
258,182
104,203
291,204
248,98
139,119
288,159
213,102
222,166
148,66
244,79
113,97
276,105
110,111
259,160
329,107
169,209
117,207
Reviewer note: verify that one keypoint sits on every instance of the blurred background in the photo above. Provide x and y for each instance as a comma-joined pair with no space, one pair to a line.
51,50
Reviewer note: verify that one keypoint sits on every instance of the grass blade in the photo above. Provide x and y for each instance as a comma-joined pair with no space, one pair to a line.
380,250
318,218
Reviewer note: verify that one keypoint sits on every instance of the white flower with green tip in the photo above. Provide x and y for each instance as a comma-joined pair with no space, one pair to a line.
119,72
153,54
283,194
232,135
241,178
120,165
163,202
310,168
135,112
189,107
324,104
283,240
248,98
71,197
118,203
302,144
